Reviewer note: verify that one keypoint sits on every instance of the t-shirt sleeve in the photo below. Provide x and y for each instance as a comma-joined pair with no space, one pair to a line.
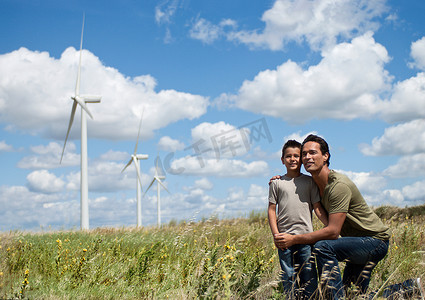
273,192
339,198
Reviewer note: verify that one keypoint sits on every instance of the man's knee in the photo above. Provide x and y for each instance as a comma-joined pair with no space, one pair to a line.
321,247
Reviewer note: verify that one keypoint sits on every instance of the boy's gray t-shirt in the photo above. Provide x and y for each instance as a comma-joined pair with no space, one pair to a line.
294,198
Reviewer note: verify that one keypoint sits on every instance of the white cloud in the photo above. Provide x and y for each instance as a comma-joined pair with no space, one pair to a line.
407,138
220,140
44,182
336,88
297,136
107,177
406,101
165,11
114,155
48,157
407,166
204,184
30,102
5,147
387,197
168,144
319,23
418,54
191,165
205,31
24,209
415,191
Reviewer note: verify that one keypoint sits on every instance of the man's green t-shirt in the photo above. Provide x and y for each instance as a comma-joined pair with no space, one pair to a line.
342,195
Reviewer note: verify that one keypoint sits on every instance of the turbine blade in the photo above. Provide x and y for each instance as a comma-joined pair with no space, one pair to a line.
77,86
138,134
129,163
83,105
153,180
160,182
71,119
137,166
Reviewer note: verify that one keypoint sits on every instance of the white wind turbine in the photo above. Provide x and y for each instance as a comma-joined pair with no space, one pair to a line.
136,159
158,177
82,100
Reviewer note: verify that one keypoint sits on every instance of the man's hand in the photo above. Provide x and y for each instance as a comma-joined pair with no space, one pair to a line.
274,177
283,240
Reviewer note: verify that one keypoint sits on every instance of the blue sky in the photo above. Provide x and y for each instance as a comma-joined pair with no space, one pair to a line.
223,84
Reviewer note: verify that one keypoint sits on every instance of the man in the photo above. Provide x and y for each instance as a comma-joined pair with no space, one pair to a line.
364,238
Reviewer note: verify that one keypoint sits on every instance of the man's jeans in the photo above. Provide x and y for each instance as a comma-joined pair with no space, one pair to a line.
299,276
361,255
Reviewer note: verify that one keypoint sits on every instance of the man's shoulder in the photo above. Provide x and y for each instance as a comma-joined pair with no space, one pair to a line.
338,177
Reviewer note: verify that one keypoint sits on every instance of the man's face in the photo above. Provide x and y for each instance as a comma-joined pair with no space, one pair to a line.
292,159
312,157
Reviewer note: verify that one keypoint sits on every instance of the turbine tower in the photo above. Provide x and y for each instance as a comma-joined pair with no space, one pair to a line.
158,177
136,159
82,100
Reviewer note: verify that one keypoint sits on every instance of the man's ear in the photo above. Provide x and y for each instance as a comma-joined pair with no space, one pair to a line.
326,155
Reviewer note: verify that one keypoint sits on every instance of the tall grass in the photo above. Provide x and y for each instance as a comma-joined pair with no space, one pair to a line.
211,259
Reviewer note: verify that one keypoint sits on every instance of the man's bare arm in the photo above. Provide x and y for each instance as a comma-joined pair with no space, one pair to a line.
321,213
330,232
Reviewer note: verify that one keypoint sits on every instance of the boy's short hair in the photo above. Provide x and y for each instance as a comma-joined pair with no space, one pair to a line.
290,144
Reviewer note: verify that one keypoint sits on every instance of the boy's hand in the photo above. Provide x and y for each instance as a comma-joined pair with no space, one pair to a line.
283,240
274,177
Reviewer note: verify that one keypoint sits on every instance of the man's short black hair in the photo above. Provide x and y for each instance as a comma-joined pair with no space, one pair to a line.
324,148
290,144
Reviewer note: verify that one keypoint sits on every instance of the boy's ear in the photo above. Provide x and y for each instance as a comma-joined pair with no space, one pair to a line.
282,160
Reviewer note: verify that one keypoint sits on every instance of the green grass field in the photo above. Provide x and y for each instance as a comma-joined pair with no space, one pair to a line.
212,259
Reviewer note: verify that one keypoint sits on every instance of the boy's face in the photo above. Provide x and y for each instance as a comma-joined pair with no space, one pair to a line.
292,159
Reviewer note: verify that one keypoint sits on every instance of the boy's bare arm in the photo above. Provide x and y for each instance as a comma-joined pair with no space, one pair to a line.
272,218
273,222
321,213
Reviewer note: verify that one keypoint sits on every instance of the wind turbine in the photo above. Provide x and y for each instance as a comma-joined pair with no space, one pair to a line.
136,159
158,177
82,100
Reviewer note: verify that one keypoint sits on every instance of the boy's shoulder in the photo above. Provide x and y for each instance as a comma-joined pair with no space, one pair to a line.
305,177
286,179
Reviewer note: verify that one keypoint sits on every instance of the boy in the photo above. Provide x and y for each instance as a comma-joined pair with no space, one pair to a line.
295,196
